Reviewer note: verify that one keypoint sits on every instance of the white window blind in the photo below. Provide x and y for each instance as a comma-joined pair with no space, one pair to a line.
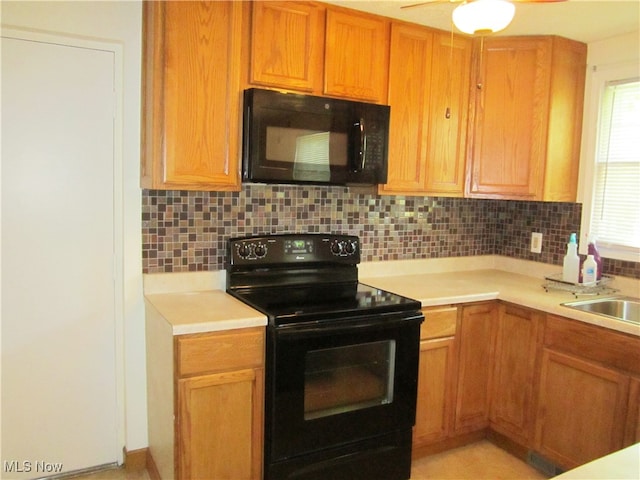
615,216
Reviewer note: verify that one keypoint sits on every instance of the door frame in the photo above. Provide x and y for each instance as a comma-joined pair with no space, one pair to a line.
117,49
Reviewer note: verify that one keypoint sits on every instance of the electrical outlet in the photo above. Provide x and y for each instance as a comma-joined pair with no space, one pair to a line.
536,242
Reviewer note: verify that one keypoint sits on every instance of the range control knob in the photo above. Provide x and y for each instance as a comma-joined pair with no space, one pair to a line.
260,250
350,248
337,247
244,250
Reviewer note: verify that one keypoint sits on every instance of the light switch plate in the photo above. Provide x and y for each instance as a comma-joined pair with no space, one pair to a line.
536,242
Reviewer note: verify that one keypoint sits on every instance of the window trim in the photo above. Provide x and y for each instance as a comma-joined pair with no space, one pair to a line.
597,79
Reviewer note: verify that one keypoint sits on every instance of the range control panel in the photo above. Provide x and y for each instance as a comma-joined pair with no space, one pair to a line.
288,249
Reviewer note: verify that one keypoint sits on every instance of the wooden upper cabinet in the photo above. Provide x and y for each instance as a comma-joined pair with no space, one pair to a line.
526,125
449,107
191,95
287,45
436,376
564,132
429,75
409,94
356,56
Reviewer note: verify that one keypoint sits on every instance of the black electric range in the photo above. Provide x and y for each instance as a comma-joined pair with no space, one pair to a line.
299,278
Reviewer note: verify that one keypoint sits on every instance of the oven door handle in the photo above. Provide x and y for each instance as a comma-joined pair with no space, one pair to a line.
348,326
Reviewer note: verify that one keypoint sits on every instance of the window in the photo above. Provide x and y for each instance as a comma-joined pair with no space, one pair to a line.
612,204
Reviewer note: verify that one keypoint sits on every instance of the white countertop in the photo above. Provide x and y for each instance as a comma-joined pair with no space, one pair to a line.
471,286
621,465
206,311
197,303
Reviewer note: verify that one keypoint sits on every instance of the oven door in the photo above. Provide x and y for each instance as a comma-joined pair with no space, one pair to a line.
333,385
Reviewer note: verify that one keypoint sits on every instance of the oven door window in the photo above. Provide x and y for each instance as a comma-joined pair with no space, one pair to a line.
344,379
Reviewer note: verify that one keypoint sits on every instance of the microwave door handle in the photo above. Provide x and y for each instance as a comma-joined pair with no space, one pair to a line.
359,146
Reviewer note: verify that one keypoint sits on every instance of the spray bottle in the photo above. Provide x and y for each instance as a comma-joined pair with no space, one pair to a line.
571,264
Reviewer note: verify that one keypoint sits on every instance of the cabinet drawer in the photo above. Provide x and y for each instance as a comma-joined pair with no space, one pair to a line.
219,351
596,343
439,322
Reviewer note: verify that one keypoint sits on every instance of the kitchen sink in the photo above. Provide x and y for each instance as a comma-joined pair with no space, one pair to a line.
620,308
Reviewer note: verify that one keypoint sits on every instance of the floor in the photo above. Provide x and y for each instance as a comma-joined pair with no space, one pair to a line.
478,461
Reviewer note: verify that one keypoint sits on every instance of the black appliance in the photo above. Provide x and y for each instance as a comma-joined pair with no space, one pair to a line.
303,139
341,358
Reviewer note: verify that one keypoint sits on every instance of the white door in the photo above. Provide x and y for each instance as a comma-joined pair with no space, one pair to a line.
59,382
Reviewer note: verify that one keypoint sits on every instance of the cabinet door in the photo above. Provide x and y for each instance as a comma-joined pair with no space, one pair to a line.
435,399
220,425
191,95
632,431
564,132
514,367
287,45
448,114
356,56
511,101
581,409
409,94
429,96
475,346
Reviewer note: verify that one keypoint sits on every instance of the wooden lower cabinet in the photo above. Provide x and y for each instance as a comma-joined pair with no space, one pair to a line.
218,433
205,403
433,415
527,380
581,409
436,376
219,422
632,430
512,409
475,353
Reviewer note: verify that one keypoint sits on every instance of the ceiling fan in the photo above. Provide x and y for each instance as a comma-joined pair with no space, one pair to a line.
481,16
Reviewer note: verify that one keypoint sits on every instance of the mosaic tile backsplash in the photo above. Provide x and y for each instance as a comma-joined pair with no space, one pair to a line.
188,231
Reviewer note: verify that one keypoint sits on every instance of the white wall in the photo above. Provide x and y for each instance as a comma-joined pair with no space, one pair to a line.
614,50
118,21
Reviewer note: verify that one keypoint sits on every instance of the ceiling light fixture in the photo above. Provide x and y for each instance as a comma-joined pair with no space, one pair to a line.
483,16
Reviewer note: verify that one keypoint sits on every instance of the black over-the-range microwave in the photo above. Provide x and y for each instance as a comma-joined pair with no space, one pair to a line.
304,139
